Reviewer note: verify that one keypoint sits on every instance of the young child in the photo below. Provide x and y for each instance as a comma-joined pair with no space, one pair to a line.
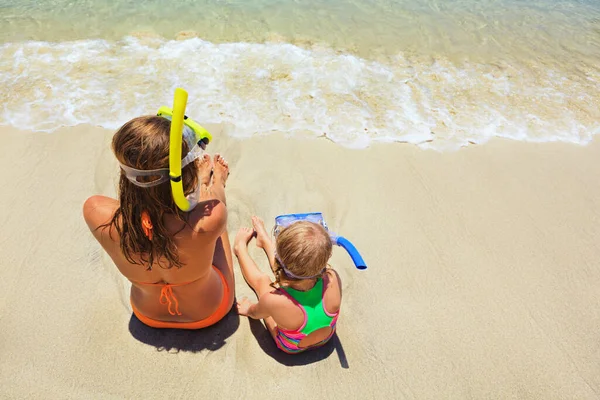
301,307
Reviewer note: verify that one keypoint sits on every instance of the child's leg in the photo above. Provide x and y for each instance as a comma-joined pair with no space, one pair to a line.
263,240
271,327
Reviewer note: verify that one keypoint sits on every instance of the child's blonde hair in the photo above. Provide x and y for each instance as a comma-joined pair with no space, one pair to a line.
304,248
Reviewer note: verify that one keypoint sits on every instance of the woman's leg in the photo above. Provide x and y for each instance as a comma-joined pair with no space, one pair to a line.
222,258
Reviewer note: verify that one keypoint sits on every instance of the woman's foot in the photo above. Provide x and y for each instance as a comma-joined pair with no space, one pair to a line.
205,169
240,243
220,170
262,237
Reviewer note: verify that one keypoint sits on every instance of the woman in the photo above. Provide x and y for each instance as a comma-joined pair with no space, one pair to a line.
179,263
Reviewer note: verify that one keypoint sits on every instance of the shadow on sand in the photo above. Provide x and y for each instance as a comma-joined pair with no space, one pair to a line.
266,343
211,338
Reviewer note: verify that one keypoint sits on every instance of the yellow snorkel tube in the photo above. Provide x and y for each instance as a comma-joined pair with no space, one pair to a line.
203,137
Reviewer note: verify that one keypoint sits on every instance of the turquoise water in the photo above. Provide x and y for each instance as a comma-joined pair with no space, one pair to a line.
439,74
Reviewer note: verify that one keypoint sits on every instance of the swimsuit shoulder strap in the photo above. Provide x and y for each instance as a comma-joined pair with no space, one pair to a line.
311,302
326,281
297,304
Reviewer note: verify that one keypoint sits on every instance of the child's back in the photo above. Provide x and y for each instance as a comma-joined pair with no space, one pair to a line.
307,318
301,308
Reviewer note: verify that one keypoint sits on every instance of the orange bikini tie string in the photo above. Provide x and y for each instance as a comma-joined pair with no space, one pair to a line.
166,293
147,225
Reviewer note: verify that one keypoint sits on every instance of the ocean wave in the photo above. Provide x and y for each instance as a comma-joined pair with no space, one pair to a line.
281,87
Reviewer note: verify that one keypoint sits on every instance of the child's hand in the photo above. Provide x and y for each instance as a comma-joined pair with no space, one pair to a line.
243,306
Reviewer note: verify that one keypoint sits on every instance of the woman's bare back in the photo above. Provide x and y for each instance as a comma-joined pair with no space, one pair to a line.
201,242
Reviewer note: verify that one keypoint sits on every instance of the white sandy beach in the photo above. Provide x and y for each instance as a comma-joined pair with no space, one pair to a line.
483,279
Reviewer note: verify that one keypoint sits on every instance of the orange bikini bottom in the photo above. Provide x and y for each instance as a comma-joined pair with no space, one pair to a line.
212,319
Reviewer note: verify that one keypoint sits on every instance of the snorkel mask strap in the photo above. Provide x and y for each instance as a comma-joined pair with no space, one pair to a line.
132,174
158,175
182,128
294,276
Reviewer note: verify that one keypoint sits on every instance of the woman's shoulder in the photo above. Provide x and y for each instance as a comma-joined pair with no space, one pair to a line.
99,210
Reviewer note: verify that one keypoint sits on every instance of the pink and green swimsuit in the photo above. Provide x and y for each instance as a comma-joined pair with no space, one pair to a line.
315,317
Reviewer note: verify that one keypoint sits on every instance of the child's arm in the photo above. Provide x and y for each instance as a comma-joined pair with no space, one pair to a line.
253,310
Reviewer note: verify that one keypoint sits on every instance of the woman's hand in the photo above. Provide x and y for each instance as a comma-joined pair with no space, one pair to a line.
243,306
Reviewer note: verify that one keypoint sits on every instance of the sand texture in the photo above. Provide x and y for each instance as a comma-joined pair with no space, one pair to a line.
483,279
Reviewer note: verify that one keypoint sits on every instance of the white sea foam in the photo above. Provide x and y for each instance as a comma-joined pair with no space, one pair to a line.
262,88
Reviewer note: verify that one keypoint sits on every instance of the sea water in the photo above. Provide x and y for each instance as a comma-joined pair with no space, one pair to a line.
440,74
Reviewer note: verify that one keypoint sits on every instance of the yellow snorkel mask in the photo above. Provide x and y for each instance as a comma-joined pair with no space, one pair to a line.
201,138
182,128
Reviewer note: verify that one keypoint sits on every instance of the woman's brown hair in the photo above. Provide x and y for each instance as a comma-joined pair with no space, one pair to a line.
143,143
304,248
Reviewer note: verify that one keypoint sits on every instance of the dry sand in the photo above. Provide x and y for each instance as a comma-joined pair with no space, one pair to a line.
483,279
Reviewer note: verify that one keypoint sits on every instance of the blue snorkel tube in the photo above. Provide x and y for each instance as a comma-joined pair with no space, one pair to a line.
349,247
283,221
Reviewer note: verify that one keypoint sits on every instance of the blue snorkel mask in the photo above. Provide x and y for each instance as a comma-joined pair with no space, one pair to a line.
283,221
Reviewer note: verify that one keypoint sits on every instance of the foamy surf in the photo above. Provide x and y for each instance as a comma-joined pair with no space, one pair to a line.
280,87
